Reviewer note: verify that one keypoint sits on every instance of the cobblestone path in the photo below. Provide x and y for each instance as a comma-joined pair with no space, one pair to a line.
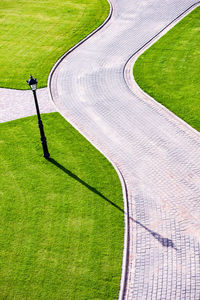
15,104
157,154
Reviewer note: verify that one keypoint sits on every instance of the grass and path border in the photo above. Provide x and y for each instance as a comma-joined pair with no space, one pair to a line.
129,77
76,46
123,184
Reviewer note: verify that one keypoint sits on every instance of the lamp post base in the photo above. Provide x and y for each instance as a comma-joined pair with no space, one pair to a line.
43,140
46,155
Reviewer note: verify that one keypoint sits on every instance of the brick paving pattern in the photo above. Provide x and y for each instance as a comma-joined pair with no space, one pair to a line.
15,104
157,153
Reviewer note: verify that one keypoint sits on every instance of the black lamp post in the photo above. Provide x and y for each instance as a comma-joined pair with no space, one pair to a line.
33,85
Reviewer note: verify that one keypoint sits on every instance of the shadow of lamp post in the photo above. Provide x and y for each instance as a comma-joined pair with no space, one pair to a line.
33,85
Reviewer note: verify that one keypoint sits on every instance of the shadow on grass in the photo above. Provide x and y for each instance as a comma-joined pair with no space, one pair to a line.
91,188
163,241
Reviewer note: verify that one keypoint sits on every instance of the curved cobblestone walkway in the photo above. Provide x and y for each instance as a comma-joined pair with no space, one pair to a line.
157,153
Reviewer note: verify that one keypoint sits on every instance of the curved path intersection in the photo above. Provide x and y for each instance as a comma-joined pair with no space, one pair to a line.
156,153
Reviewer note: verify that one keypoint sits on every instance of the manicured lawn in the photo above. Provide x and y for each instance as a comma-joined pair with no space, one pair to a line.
61,225
169,70
34,34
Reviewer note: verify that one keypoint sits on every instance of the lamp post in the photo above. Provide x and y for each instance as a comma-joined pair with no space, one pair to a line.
33,85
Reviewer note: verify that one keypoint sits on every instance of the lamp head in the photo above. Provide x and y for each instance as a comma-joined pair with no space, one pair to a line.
32,82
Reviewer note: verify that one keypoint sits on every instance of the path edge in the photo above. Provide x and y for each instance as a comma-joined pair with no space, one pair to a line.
128,68
121,178
74,47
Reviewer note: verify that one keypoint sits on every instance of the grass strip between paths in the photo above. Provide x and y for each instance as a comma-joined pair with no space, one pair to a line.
62,223
169,70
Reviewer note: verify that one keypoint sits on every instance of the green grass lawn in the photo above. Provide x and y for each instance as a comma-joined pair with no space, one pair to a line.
34,34
61,225
169,71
